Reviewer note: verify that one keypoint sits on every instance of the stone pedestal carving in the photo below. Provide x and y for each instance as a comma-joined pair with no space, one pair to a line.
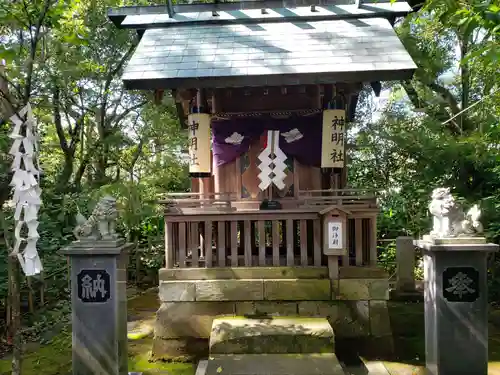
99,306
456,304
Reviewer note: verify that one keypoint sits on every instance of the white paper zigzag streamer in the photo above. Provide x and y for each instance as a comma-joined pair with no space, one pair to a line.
27,192
272,169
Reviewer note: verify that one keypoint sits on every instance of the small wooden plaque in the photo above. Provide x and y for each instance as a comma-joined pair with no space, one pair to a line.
334,232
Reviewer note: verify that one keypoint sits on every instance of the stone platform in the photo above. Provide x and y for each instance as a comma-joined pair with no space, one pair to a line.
355,304
278,346
278,335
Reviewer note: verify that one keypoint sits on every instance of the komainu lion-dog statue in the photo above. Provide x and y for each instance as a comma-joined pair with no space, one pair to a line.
449,219
101,224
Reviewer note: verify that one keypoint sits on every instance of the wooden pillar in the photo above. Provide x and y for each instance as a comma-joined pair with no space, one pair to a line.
217,176
205,187
373,241
203,182
358,241
346,257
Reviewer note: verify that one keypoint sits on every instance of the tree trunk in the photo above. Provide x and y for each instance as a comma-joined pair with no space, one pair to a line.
15,314
465,78
13,297
64,177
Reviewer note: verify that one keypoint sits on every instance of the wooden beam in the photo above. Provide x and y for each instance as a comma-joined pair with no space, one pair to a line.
267,80
206,14
114,14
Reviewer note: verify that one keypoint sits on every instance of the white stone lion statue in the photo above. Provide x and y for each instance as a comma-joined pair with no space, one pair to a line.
449,219
101,224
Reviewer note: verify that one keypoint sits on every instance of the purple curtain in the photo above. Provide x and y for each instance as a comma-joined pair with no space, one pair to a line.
306,147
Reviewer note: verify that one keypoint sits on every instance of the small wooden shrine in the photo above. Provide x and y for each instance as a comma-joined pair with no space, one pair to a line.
266,91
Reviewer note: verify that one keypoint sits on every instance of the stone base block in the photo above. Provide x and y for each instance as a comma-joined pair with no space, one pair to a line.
368,347
406,296
365,272
363,289
354,306
229,290
278,335
297,290
237,273
348,318
189,319
270,308
380,323
353,319
186,349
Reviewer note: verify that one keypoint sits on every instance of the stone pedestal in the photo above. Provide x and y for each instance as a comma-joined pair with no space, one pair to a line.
456,305
405,258
99,306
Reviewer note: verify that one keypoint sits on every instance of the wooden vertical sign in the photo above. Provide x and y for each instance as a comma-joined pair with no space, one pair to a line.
333,139
334,231
200,163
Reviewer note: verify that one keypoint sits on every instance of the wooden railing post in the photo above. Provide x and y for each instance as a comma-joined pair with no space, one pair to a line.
333,267
373,241
169,248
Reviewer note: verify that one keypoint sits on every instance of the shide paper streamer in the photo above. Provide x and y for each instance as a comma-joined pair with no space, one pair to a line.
27,192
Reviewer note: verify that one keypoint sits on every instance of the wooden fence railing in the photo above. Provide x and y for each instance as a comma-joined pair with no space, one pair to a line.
257,239
339,197
227,201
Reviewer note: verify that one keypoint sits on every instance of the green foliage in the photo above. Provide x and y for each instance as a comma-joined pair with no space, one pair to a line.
475,18
66,59
437,131
54,358
387,257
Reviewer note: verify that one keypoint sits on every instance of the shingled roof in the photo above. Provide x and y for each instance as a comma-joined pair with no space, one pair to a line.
279,47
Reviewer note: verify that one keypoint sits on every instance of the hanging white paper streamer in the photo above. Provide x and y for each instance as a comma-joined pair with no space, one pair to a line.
27,192
275,174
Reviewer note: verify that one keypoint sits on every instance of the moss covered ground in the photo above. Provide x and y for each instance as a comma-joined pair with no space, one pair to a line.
54,358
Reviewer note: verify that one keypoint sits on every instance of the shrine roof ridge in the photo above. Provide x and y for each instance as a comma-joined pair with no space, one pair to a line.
253,12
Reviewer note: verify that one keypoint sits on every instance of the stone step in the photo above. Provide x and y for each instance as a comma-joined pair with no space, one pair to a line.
273,335
218,361
273,364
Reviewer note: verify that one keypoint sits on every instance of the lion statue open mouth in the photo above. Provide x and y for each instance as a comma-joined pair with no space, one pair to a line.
449,219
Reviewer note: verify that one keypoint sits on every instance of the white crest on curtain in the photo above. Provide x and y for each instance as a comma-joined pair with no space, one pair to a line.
234,139
292,135
26,190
